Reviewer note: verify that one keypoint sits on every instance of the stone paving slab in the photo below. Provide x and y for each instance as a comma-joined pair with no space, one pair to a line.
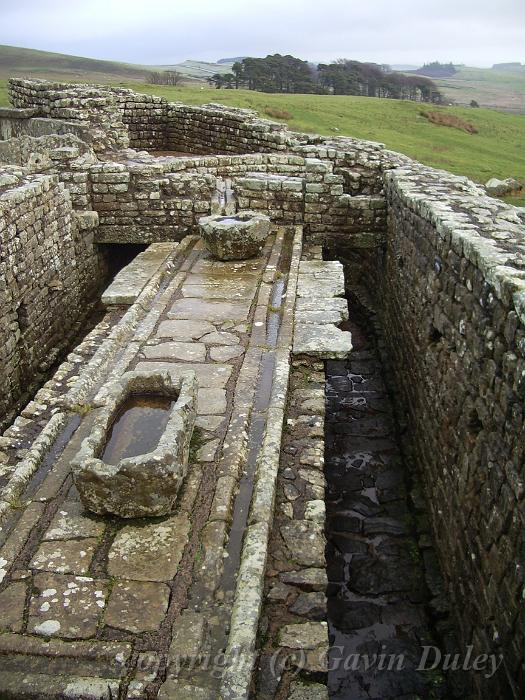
209,422
321,340
12,604
223,354
227,289
217,277
151,552
318,311
211,401
320,285
72,521
89,658
207,265
318,303
65,557
66,606
185,330
210,310
208,376
46,687
220,338
137,606
188,352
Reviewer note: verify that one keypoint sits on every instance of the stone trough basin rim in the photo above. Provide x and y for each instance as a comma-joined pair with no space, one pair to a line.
173,442
238,236
112,407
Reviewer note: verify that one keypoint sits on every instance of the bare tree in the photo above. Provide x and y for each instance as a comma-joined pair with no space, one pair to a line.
167,77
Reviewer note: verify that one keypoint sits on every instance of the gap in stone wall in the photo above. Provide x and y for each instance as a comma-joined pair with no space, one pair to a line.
118,255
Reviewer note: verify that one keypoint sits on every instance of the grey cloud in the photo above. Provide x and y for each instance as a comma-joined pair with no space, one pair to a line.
476,32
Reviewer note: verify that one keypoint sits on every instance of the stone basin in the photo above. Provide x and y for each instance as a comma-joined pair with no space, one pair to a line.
235,237
135,459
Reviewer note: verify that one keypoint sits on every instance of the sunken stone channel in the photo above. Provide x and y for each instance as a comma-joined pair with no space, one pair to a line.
235,237
117,469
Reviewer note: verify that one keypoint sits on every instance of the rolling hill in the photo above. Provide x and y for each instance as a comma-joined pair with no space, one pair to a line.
18,62
496,88
496,150
499,87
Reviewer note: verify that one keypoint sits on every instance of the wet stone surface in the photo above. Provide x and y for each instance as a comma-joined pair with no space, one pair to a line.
69,577
66,606
150,552
294,617
377,594
137,606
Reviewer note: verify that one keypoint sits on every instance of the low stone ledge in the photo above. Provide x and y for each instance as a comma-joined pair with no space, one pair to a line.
322,341
319,309
131,280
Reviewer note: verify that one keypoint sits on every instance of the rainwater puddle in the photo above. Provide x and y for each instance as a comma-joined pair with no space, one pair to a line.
138,427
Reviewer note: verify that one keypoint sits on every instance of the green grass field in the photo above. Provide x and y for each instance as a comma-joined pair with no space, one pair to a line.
497,150
20,62
497,89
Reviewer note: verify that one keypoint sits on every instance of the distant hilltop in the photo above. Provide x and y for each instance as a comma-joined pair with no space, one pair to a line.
237,59
512,67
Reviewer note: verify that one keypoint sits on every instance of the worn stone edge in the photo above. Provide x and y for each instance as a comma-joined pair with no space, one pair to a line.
483,251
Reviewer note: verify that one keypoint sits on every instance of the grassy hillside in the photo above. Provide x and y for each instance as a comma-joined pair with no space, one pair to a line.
18,62
198,70
496,150
498,89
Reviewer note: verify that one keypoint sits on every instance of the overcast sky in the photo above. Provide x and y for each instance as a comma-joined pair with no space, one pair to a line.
475,32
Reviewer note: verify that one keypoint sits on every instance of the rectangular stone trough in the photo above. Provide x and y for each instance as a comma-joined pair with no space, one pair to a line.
135,459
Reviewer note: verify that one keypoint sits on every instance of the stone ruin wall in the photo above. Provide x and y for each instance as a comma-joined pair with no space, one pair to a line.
50,267
451,289
90,109
453,298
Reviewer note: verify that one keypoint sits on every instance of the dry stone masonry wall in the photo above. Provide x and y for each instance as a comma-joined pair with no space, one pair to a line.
444,261
453,297
93,107
50,266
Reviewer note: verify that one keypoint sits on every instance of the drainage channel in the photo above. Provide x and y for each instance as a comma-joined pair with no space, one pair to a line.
258,422
256,432
378,601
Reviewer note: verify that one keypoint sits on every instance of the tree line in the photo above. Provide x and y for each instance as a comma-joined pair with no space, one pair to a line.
437,70
287,74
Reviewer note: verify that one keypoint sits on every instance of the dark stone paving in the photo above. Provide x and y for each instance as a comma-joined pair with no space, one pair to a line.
377,593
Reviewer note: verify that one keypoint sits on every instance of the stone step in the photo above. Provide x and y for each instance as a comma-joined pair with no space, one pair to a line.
319,309
56,669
